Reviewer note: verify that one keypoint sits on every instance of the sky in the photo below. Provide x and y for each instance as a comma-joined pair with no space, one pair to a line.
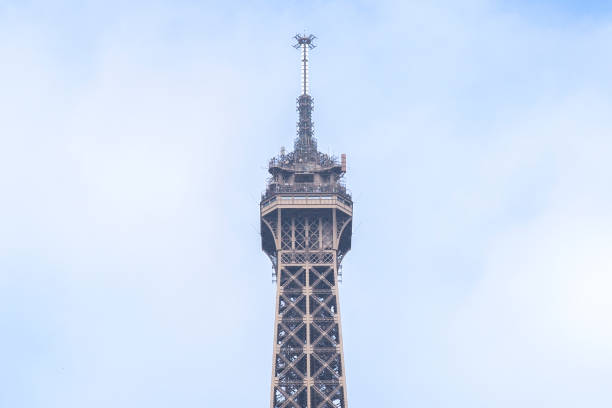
134,140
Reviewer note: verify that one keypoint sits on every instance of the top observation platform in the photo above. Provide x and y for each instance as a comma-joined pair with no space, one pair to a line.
297,181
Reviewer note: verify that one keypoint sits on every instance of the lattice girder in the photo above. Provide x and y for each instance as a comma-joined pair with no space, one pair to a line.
308,369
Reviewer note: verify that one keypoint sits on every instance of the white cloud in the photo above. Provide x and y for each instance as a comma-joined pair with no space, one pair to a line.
478,144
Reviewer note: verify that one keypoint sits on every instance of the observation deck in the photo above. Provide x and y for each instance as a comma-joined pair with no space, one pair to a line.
302,201
313,182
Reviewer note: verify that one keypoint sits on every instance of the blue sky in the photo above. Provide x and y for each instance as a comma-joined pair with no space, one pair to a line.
134,141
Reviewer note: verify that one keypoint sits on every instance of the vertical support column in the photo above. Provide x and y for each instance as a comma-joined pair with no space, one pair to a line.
341,342
308,350
321,232
276,323
334,230
277,233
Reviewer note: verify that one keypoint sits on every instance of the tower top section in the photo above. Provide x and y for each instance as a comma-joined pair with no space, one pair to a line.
305,169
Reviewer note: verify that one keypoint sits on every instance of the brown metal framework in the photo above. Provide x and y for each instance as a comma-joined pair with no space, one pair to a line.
306,227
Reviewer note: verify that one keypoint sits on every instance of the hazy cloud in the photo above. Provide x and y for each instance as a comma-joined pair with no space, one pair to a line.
133,148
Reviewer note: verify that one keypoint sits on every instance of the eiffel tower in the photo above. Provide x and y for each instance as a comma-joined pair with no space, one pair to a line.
306,228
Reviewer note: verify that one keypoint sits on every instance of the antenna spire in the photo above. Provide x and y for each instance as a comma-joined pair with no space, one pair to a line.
305,42
305,145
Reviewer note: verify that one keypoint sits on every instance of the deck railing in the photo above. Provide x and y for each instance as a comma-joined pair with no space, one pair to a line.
307,188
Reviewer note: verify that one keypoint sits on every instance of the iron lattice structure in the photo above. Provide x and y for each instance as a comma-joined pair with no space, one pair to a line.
306,228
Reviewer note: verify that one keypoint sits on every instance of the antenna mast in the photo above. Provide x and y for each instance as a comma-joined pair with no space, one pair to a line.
305,43
305,144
